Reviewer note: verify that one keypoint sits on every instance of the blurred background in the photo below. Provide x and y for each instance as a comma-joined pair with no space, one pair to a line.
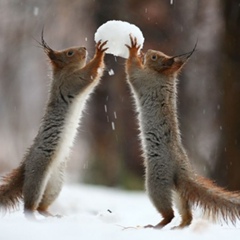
107,150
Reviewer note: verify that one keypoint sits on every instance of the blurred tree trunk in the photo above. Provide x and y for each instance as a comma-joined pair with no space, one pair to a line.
199,86
227,171
116,158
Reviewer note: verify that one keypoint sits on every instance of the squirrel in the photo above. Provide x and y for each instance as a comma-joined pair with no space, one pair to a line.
39,178
153,83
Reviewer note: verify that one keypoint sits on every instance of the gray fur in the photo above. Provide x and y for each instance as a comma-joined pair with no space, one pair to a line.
44,162
168,170
39,178
155,98
156,132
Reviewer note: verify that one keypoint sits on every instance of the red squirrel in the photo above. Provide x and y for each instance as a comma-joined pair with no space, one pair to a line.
153,82
39,178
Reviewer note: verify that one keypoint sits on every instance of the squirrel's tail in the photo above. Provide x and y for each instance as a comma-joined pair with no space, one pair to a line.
11,189
215,201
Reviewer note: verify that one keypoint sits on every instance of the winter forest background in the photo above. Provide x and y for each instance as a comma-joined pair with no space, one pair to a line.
107,149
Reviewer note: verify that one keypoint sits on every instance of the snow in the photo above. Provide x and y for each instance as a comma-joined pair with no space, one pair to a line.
113,126
117,34
35,11
105,108
99,213
111,72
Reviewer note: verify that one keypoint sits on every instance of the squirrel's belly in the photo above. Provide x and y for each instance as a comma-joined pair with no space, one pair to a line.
69,131
71,125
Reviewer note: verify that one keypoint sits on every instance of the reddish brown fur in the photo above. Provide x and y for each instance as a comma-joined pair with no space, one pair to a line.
215,201
11,189
166,65
173,70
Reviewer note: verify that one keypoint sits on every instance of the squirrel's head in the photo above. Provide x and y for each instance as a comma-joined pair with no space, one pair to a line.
71,57
166,65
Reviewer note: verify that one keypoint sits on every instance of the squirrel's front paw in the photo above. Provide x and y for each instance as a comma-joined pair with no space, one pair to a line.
134,48
100,47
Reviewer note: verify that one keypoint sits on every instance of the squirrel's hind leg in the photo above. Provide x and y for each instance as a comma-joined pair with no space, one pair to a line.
53,188
33,189
162,199
184,210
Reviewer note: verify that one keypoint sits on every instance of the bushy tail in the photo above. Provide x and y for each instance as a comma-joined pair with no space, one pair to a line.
215,201
11,189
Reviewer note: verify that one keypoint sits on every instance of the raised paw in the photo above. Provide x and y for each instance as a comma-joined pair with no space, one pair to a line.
134,47
134,44
100,46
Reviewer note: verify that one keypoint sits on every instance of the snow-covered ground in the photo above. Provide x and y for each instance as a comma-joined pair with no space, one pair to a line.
100,213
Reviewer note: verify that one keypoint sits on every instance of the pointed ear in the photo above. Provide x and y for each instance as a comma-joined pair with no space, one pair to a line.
178,62
173,65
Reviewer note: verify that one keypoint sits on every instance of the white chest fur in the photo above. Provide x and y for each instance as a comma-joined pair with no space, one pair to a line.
70,127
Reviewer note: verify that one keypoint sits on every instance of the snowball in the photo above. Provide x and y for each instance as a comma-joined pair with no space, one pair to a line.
117,33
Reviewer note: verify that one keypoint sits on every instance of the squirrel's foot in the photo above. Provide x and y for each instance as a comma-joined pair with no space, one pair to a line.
149,226
48,214
158,226
183,224
186,220
168,218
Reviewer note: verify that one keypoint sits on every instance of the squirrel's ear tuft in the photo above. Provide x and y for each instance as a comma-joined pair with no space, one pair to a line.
45,46
182,59
53,56
50,53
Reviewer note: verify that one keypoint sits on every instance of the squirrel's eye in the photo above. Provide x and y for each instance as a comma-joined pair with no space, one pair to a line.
70,53
154,57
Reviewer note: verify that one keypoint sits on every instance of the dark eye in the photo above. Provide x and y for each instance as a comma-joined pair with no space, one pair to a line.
154,57
70,53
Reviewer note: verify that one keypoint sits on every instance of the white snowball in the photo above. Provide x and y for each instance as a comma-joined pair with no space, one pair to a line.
117,33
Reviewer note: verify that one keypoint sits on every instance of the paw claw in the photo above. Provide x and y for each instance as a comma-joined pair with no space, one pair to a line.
100,45
134,43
